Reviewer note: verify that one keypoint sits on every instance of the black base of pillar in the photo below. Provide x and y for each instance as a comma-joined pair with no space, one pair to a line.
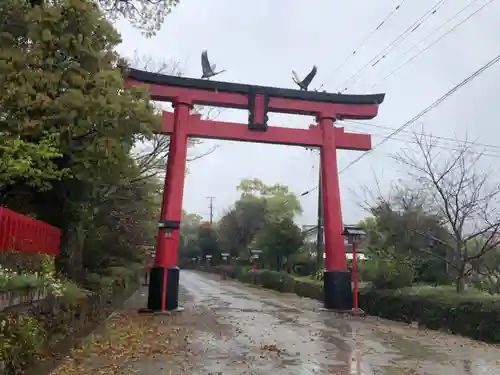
156,288
337,290
172,296
157,291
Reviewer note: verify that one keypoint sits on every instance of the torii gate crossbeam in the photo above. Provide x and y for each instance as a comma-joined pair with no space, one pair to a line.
231,131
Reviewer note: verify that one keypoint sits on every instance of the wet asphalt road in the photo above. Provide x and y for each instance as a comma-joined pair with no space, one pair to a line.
247,330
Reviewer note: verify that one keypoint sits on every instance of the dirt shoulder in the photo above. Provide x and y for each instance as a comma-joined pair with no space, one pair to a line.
131,343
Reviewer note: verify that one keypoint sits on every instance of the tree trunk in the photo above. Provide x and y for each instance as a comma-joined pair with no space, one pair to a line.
450,260
460,284
70,261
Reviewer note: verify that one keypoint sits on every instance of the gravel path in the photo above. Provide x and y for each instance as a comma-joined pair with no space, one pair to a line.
231,328
267,332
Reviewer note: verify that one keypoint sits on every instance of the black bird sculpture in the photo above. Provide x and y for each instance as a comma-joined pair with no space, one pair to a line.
208,70
304,84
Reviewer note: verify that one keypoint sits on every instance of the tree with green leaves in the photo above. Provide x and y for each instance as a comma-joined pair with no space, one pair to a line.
125,223
63,101
279,240
397,254
188,243
395,233
29,161
279,202
208,242
485,271
259,205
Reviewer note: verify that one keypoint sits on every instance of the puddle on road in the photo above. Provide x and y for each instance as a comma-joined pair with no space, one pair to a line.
319,342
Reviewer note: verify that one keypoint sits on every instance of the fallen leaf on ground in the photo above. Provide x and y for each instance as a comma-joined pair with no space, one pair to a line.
127,339
271,348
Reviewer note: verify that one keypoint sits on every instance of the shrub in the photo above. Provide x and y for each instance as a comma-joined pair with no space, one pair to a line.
10,280
21,339
476,316
232,271
280,281
388,273
72,293
304,267
92,281
121,274
309,289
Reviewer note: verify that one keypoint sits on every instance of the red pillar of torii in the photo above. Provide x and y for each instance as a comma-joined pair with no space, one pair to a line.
183,93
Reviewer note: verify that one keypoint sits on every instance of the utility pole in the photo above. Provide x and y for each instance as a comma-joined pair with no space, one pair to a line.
319,226
319,237
211,207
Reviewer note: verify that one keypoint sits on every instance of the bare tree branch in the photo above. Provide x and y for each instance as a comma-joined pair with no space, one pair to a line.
460,192
208,152
146,15
150,157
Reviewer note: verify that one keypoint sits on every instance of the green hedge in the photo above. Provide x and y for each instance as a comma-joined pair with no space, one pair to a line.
57,323
280,281
477,318
469,315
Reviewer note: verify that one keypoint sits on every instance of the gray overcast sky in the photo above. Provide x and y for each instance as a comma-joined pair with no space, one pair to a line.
261,41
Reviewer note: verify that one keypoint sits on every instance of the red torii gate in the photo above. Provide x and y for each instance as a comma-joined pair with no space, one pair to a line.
183,93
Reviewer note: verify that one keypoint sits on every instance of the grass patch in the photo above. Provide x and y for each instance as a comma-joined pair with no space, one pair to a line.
10,282
306,278
311,279
447,293
72,293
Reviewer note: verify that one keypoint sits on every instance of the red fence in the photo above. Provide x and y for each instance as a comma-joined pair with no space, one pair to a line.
27,235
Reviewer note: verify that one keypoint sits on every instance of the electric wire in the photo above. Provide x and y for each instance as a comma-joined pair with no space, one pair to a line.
400,38
422,113
439,28
434,105
448,139
433,43
361,45
441,146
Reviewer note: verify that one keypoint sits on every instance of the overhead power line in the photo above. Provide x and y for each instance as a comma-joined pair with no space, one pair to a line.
428,109
400,38
432,106
434,31
433,43
441,146
448,139
362,44
412,141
